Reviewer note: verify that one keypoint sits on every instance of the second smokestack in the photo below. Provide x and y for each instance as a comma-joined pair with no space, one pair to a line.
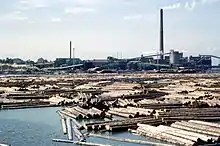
70,49
161,34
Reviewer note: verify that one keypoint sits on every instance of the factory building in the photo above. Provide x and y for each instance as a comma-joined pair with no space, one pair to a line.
175,57
66,61
203,62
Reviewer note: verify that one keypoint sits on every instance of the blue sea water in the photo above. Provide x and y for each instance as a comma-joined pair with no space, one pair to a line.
37,127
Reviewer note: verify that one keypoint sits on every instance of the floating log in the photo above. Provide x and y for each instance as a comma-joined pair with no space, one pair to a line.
216,125
124,115
64,126
69,129
63,140
78,125
107,115
63,122
78,134
120,127
154,132
61,115
76,114
160,106
88,126
79,142
187,128
133,112
125,123
173,119
94,113
98,111
29,97
178,110
83,111
203,137
142,111
197,140
132,123
66,113
128,140
201,127
188,113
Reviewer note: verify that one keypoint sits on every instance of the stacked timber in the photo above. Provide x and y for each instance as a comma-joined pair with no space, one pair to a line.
121,124
21,97
212,130
126,102
131,112
121,112
97,113
183,133
25,95
81,113
56,91
171,115
26,104
155,104
142,111
72,113
211,102
151,94
84,95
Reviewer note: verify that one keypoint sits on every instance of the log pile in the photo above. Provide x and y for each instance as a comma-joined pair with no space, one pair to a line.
26,104
124,124
21,97
131,112
183,133
81,113
150,94
155,104
24,95
126,102
172,115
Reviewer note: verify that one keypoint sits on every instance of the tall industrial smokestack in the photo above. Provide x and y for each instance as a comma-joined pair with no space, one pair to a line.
161,35
73,52
70,49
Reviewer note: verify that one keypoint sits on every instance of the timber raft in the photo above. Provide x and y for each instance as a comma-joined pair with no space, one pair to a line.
183,104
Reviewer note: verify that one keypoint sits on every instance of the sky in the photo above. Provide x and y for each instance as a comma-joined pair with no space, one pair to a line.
30,29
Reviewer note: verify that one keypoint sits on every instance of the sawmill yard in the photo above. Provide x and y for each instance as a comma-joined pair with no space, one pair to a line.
176,109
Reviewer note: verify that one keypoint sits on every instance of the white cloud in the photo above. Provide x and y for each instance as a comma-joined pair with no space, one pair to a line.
16,15
26,4
78,10
17,12
30,21
56,19
130,3
41,6
134,17
21,18
189,5
209,1
173,6
89,2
